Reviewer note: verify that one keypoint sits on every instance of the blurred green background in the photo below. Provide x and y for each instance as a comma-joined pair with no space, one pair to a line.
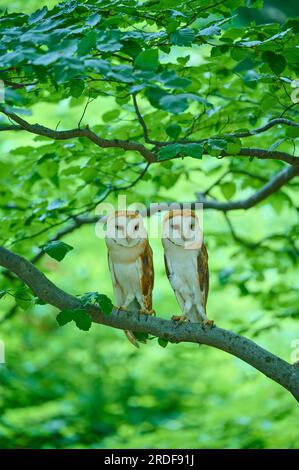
64,388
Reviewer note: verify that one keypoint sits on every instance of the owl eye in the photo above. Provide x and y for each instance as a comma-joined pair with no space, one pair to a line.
192,226
136,227
117,227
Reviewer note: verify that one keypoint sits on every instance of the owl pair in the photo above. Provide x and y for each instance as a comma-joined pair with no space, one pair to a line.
130,260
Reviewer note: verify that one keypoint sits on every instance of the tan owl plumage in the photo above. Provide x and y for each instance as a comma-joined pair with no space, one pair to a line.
130,261
186,264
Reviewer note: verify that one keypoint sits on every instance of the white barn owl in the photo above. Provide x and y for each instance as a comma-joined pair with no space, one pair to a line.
186,264
130,261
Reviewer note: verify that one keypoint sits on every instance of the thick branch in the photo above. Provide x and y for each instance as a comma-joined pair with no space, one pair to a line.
272,366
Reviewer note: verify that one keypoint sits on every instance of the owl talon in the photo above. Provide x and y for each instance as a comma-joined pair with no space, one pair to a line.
179,319
208,323
144,311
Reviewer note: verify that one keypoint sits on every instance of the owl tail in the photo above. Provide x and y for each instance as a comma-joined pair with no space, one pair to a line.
132,338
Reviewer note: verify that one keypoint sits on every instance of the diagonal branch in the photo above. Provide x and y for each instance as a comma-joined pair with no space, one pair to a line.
278,180
275,183
87,133
269,125
269,364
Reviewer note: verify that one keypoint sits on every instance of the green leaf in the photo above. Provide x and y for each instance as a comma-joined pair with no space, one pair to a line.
177,82
169,151
37,15
292,132
212,30
228,189
216,146
174,104
77,87
132,48
193,150
66,69
234,146
94,298
56,249
182,37
105,304
162,342
64,317
23,297
177,104
276,62
147,60
79,316
82,319
173,130
154,95
87,43
140,336
93,19
111,115
48,168
183,60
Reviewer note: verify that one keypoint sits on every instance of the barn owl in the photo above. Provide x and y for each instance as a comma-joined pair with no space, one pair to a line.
186,263
130,261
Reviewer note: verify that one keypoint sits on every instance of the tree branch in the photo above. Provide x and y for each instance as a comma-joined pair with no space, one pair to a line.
142,123
259,130
269,364
87,133
275,183
126,145
263,154
278,180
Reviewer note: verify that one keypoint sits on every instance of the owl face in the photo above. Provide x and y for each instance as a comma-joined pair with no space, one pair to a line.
182,228
126,228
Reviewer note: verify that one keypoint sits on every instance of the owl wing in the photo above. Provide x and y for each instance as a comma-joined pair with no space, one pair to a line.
169,273
146,271
203,272
119,295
